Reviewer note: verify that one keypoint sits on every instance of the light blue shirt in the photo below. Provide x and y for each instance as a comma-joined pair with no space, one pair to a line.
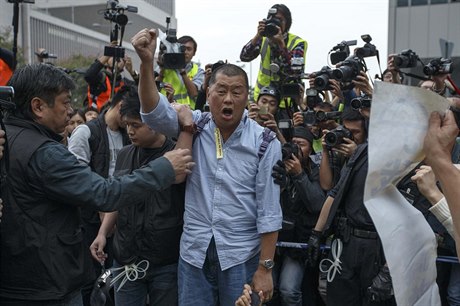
232,198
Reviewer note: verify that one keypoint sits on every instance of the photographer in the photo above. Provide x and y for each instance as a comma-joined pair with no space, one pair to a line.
201,103
275,44
265,110
100,79
301,201
335,157
185,81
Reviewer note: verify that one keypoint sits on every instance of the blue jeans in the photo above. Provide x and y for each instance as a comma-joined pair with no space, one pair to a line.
210,286
453,291
160,284
291,276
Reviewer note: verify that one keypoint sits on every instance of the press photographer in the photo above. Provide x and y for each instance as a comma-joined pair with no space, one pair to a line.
185,77
265,111
301,201
282,54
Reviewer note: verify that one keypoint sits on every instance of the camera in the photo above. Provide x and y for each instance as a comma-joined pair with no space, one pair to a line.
45,54
6,97
368,49
272,23
406,59
341,51
361,102
288,149
312,118
348,70
172,53
322,77
313,98
336,136
438,66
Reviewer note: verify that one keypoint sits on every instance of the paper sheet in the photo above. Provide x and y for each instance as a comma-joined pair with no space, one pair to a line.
398,124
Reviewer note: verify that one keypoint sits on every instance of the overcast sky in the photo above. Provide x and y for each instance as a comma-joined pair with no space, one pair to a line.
222,27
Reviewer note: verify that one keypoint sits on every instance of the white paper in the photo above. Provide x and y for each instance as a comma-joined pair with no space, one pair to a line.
398,124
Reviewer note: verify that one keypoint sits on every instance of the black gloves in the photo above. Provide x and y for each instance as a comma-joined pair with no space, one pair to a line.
313,247
280,175
381,288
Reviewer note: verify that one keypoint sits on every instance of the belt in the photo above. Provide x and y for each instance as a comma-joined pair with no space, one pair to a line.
364,234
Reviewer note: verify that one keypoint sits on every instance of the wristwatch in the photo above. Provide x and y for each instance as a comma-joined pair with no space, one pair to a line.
190,128
267,263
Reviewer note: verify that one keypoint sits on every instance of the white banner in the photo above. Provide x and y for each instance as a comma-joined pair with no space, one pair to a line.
398,124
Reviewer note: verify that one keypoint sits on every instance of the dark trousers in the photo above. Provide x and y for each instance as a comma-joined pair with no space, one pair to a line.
361,261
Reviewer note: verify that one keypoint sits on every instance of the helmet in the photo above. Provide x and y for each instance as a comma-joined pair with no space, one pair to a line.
271,91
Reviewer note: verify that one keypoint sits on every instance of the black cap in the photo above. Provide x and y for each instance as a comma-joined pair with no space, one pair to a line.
271,91
303,132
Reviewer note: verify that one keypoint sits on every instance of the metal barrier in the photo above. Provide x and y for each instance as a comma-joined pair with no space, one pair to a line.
282,244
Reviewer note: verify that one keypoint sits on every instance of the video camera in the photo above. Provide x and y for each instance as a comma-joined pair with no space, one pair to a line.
406,59
341,51
368,49
361,102
336,136
172,53
290,76
6,98
438,66
311,117
115,13
272,23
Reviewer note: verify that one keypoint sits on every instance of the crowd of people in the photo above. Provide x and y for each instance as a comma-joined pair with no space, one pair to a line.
172,187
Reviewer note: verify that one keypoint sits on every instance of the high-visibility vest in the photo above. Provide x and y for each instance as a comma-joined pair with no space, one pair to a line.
100,100
5,73
172,77
265,76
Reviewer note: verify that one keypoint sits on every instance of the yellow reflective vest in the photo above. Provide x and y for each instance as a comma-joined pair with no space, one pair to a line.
265,76
173,77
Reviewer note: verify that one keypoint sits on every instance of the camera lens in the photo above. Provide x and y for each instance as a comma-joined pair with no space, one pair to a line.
331,139
355,103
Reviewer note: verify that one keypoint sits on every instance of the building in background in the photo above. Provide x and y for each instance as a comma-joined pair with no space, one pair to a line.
426,27
66,28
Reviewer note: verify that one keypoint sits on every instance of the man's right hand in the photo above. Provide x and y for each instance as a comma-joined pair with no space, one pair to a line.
145,43
313,247
181,161
97,248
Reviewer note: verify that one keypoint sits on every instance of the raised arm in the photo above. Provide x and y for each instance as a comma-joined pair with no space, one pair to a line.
145,42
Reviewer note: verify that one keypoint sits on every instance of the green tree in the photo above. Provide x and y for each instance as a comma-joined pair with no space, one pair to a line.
76,66
6,42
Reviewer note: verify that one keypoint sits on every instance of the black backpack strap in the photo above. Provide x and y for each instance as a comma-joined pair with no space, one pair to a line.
267,137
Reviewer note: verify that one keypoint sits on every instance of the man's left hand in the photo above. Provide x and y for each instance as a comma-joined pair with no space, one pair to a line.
263,281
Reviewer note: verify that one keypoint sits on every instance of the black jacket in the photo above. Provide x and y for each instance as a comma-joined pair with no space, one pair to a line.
43,256
151,228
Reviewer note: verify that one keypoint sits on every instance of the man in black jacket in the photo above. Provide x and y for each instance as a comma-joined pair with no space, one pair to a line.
148,233
301,200
43,257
